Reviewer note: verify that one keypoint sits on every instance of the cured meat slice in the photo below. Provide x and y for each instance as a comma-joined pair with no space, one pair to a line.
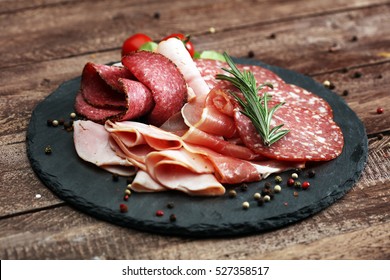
94,113
96,91
312,137
164,80
100,98
92,144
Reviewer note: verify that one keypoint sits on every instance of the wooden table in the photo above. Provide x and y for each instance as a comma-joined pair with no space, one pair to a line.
44,43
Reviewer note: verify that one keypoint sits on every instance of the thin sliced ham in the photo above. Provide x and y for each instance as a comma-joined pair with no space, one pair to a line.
92,143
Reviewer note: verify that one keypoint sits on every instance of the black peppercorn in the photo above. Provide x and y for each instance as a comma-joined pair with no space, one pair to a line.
172,217
311,173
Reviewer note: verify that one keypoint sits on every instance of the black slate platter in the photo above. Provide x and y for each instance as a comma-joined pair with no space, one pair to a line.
93,191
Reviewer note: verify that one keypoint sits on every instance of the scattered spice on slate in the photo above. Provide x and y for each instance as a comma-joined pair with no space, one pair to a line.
170,205
290,182
251,54
232,193
380,136
277,188
278,179
244,187
54,123
156,15
297,185
379,110
123,208
311,173
267,198
172,218
357,75
305,185
115,177
48,150
345,92
159,213
257,196
245,205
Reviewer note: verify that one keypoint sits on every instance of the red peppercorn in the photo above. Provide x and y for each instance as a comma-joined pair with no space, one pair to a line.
126,197
379,110
305,185
123,208
290,182
159,213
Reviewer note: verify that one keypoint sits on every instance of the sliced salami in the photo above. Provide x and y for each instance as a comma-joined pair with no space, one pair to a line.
164,80
312,137
96,91
104,98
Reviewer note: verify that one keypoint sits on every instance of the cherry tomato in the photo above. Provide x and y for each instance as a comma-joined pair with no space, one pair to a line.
133,43
185,39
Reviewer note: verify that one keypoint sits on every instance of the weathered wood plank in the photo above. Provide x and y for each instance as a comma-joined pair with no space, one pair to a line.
353,216
76,29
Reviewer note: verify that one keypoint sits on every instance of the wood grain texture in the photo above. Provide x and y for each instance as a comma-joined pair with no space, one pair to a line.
46,42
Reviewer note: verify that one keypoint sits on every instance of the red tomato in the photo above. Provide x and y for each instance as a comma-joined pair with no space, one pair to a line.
134,42
185,39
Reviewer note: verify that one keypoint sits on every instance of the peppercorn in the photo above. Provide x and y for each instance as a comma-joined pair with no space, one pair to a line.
251,54
232,193
54,123
294,176
129,187
278,179
156,15
297,185
345,92
277,188
244,187
48,150
296,194
172,218
170,205
61,121
267,185
290,182
311,173
357,75
326,83
245,205
379,110
123,208
159,213
115,177
126,198
49,122
260,202
267,198
128,192
257,196
272,36
305,185
354,38
72,115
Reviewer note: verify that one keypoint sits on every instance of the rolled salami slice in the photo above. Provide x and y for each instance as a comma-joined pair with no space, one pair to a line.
105,94
163,79
312,137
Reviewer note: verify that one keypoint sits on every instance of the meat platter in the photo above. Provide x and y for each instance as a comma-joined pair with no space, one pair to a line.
94,191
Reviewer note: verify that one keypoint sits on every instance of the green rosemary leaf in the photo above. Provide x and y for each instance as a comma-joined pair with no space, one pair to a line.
254,106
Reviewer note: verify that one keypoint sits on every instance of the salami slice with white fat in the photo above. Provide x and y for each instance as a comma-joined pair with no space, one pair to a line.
312,137
105,94
164,80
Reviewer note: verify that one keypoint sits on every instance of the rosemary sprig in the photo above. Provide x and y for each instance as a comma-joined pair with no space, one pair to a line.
254,106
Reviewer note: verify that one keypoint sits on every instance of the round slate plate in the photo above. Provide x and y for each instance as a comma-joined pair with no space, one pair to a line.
93,191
